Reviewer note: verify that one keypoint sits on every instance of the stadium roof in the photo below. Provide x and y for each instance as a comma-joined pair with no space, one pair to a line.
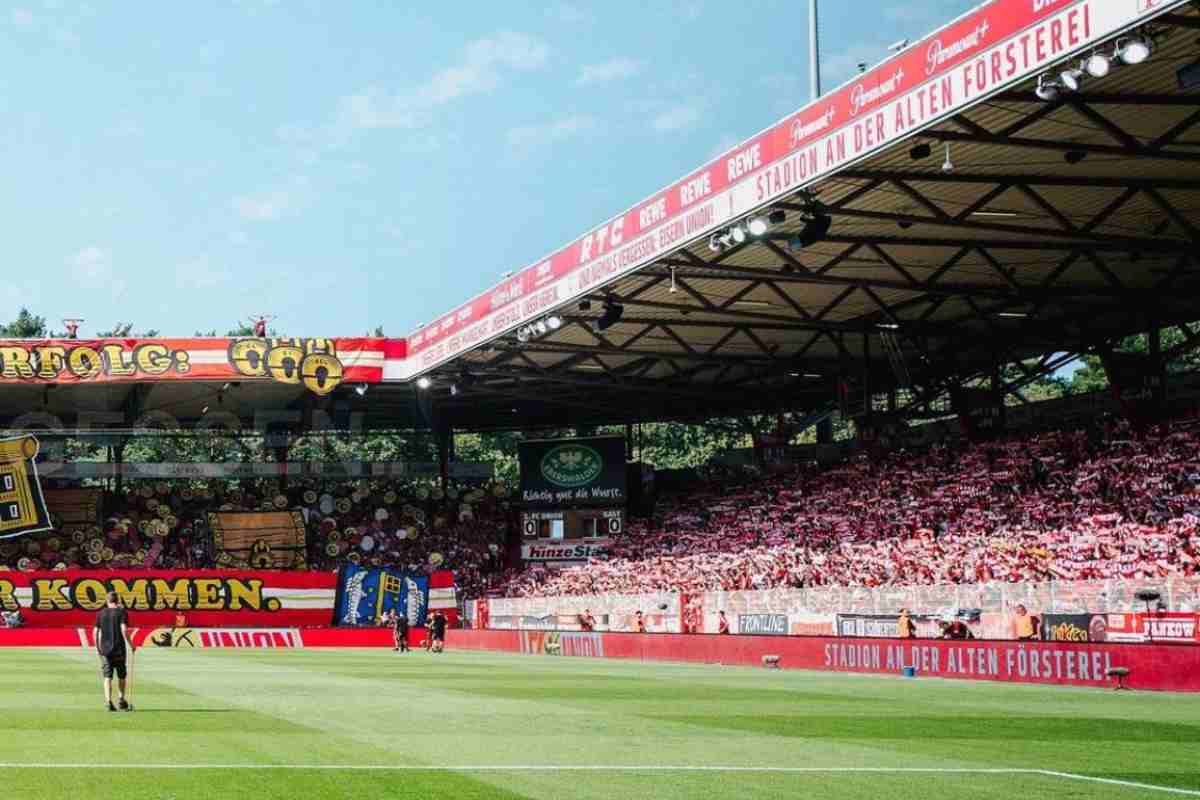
979,210
1015,226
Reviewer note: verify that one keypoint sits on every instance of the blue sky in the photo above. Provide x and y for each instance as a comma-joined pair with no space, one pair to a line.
346,165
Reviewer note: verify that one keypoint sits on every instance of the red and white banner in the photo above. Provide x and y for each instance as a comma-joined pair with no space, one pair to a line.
985,51
205,637
1183,628
320,365
1151,666
443,595
167,637
205,598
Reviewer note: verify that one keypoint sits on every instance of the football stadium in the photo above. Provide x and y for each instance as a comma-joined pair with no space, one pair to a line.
861,461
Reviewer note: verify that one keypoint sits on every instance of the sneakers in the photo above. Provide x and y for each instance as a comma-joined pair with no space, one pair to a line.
111,707
121,704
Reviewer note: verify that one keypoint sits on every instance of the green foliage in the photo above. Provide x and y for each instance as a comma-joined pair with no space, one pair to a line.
123,330
25,326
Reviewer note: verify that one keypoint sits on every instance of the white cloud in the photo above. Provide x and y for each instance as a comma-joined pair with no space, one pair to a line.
676,118
276,202
536,136
843,65
570,14
22,17
91,263
264,206
374,109
482,68
92,268
484,61
614,70
202,273
723,145
905,13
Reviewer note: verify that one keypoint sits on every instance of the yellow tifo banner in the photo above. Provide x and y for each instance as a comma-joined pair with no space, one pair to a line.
258,540
22,505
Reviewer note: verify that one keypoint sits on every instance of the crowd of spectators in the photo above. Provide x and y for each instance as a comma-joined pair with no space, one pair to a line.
1106,502
165,525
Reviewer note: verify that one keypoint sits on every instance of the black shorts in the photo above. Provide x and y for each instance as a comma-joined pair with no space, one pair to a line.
111,664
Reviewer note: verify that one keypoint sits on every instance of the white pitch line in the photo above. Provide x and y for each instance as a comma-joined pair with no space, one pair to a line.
537,768
1114,782
622,768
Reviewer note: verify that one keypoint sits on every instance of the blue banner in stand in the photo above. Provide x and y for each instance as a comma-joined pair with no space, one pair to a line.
365,595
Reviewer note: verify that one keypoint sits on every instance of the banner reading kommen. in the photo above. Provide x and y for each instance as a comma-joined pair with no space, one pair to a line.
206,598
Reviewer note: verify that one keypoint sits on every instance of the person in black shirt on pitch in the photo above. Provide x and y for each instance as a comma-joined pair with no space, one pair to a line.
438,632
400,631
111,633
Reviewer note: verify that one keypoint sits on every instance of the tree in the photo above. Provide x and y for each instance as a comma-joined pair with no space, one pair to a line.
124,330
25,326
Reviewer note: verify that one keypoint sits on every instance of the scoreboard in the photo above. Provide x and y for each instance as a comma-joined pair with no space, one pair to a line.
564,524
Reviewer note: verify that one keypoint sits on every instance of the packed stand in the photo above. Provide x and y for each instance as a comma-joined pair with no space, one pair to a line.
1102,503
165,526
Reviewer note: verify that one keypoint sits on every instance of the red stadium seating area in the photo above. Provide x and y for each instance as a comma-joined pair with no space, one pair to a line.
1106,502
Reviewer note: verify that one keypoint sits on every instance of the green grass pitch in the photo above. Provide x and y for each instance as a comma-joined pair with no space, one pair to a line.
315,724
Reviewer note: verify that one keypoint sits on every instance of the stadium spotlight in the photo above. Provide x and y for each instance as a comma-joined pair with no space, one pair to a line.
1098,65
523,334
921,152
1071,79
816,227
714,243
554,322
1134,49
541,327
1048,89
737,233
613,312
1188,76
465,381
424,382
361,390
757,226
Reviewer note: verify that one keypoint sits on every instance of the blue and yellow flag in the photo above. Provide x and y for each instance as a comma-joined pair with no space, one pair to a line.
364,595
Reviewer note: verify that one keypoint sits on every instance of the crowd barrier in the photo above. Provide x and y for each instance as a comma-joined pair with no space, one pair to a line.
1160,667
152,638
816,611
